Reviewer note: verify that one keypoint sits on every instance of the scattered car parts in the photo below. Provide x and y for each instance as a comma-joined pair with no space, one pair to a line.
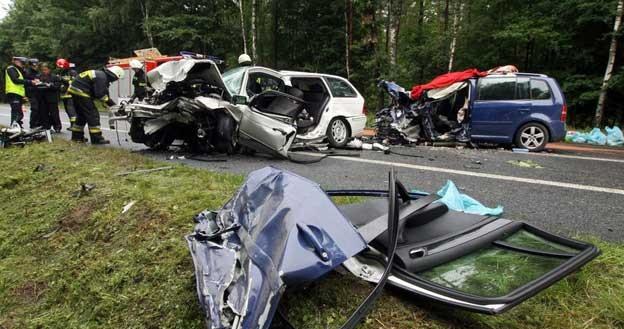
281,230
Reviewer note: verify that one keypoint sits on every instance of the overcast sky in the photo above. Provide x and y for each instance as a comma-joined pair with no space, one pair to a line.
4,6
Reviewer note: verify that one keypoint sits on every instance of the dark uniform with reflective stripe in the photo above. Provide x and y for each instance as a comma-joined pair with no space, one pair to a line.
139,82
86,87
67,76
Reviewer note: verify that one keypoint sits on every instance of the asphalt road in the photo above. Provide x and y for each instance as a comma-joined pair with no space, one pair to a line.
573,194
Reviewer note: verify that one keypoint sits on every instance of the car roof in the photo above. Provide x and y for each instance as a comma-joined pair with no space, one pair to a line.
311,74
525,74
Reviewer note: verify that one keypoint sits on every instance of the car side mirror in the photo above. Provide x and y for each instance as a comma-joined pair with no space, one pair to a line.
239,100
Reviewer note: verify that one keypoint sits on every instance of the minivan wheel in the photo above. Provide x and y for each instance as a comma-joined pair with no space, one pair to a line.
338,132
532,136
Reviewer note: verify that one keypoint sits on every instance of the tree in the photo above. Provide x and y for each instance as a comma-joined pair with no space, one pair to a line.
609,71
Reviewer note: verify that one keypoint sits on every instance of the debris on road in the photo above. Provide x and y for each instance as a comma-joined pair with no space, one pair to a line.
17,136
525,164
143,171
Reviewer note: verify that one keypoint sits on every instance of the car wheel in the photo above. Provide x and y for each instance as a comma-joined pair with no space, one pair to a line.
532,136
160,140
338,132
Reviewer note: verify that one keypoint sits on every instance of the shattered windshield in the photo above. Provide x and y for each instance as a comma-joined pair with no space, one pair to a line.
233,79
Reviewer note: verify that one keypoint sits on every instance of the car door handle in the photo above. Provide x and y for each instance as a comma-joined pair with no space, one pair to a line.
280,131
310,237
524,110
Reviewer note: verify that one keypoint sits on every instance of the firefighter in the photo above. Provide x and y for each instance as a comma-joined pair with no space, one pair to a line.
49,98
32,92
244,60
67,75
15,88
139,80
86,87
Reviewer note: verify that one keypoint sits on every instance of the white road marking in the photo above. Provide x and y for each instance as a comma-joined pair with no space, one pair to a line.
66,123
577,157
477,174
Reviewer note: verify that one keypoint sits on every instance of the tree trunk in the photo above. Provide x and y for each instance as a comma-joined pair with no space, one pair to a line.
393,29
456,19
348,35
146,24
242,23
254,53
612,52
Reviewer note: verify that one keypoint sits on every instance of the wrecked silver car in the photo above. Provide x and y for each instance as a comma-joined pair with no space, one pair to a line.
281,230
192,103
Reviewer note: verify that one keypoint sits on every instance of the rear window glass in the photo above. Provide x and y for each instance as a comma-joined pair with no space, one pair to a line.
540,90
497,89
339,88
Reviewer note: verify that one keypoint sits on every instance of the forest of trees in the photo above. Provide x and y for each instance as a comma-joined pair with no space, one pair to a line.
409,41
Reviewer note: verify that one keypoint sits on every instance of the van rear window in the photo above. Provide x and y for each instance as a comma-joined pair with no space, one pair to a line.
540,89
497,89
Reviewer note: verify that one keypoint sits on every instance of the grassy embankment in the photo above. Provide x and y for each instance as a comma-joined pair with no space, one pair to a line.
78,262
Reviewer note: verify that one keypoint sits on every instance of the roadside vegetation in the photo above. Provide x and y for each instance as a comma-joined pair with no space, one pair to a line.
72,259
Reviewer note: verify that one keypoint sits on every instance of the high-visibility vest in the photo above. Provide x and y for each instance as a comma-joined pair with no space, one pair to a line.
11,87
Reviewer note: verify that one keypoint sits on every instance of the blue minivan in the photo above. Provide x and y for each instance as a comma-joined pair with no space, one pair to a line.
528,110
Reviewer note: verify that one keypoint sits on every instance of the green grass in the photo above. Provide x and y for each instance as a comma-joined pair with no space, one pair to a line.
77,262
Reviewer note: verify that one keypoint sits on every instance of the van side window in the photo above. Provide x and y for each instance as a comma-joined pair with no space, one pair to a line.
540,89
496,89
340,88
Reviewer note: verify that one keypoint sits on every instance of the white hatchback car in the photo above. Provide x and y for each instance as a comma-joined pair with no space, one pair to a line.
335,108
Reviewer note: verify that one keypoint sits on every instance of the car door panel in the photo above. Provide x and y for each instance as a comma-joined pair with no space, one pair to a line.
481,263
258,129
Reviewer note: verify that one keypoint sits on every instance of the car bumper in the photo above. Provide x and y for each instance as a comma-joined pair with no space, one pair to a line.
557,131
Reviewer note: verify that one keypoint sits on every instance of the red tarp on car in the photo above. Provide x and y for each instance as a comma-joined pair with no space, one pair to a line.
445,80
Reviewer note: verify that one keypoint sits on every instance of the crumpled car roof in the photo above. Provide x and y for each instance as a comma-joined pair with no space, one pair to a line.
279,230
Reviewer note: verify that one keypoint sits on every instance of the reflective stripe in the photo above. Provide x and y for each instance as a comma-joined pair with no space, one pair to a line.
11,87
105,98
88,74
74,91
95,130
66,96
76,128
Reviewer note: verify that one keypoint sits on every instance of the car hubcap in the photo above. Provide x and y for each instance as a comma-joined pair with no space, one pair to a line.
339,131
532,137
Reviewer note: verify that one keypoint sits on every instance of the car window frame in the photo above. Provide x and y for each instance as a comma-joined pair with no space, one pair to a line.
345,81
262,72
478,89
550,90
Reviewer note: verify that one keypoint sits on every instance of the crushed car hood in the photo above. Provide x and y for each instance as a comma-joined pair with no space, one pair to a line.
278,230
177,71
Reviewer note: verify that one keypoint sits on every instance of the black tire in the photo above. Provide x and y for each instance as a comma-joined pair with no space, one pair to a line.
338,132
532,136
224,139
160,140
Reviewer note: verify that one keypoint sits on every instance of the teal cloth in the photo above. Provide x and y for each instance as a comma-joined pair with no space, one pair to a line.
455,200
614,136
